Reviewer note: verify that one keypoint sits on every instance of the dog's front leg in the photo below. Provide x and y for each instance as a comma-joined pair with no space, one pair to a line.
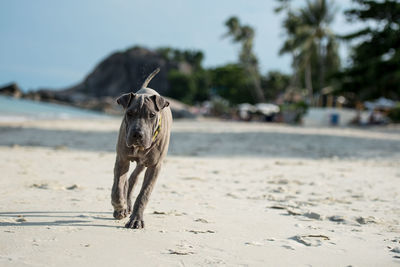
150,177
132,182
120,188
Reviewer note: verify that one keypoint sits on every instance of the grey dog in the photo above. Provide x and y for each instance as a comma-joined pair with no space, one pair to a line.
144,138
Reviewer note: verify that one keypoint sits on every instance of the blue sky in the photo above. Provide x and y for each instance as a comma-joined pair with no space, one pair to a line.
55,44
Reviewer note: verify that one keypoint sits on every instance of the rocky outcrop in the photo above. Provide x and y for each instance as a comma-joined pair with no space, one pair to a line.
11,89
122,72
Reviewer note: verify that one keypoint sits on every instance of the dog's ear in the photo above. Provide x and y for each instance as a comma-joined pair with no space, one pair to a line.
160,102
125,99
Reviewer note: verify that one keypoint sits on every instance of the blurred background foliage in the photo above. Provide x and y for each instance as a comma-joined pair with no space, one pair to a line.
373,69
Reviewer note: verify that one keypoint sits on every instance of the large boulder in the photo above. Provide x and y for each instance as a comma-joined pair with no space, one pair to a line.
123,72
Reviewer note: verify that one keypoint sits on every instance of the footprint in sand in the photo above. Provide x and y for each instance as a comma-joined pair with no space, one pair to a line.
313,215
310,240
363,220
288,247
182,249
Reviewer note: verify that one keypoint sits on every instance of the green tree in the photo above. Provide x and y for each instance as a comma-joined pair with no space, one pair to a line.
244,35
274,83
193,84
232,83
375,67
193,57
182,86
311,42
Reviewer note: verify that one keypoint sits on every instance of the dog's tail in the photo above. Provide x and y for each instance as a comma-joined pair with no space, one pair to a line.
151,76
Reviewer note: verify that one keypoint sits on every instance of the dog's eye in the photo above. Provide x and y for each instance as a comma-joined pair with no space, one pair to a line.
152,115
130,114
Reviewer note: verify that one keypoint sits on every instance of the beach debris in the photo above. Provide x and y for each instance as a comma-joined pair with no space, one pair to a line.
20,218
232,195
301,240
201,232
194,178
177,213
201,220
276,207
180,252
312,215
395,250
72,187
324,237
253,243
357,196
289,210
263,196
292,212
336,218
159,212
171,212
288,247
40,186
310,240
182,249
279,190
363,220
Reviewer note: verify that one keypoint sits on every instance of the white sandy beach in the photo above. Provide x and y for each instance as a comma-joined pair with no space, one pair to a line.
229,194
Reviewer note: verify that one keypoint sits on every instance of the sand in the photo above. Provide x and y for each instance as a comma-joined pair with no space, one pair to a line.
229,194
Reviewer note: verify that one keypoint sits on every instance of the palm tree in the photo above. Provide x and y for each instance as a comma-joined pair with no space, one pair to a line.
312,43
244,34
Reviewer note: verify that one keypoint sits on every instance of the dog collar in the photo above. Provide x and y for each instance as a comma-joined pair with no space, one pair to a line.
158,128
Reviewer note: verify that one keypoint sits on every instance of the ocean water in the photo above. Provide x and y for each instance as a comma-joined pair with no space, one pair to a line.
12,109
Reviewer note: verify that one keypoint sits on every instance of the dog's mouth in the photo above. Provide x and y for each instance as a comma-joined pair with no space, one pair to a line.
136,145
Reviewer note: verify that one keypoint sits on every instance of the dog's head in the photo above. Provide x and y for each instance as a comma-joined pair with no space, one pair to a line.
142,117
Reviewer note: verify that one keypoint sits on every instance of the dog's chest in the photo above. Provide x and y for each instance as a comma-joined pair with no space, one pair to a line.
135,154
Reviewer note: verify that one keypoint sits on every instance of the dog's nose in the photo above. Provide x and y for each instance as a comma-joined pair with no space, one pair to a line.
137,135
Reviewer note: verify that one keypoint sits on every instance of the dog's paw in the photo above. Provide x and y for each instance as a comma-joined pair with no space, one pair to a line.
135,224
120,214
129,208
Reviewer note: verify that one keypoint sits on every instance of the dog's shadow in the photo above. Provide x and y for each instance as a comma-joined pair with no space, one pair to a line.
71,218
